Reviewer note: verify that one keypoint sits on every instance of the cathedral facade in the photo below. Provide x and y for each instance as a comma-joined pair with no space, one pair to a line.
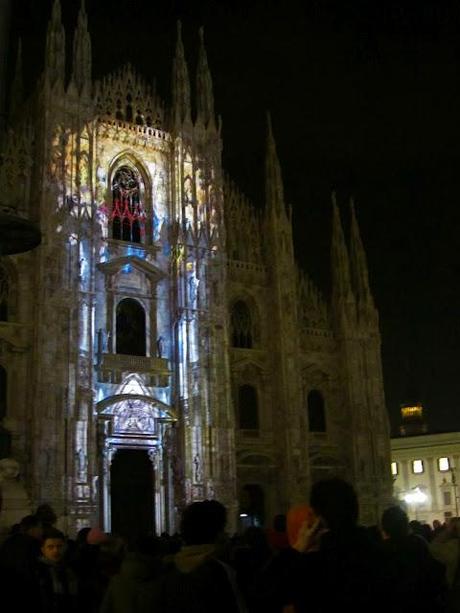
161,345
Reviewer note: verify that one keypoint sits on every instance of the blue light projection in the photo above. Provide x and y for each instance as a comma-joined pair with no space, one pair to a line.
136,251
155,227
84,265
103,254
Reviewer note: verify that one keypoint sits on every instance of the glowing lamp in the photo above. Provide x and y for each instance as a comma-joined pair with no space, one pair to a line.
415,497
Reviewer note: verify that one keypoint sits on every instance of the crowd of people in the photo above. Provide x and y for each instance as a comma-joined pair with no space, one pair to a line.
315,559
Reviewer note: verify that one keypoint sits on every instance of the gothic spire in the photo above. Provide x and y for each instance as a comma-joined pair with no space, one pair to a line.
17,86
81,73
274,192
55,47
359,271
204,93
341,284
180,84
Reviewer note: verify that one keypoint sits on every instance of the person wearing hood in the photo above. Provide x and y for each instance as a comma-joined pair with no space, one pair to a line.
141,566
196,580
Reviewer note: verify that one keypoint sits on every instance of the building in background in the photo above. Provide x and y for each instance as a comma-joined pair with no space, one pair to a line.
425,467
161,345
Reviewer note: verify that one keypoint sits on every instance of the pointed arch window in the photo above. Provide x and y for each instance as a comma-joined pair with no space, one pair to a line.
316,412
242,326
4,291
130,328
248,408
128,215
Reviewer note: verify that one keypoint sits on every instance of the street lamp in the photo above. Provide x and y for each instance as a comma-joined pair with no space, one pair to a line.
415,497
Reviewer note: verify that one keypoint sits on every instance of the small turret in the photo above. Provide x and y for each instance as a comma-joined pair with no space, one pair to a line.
55,47
180,85
359,270
204,92
342,293
274,191
81,73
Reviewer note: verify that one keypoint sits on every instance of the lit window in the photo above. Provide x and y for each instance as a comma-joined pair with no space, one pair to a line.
443,464
394,469
417,467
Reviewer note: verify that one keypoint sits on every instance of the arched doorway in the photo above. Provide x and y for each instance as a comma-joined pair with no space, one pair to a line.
132,493
252,505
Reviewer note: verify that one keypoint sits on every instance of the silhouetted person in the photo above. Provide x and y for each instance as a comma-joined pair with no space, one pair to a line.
196,580
19,554
128,591
277,535
445,546
46,515
85,561
250,556
339,566
417,581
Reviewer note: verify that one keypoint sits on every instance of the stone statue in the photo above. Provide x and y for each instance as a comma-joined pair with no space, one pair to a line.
14,502
100,343
197,472
160,344
9,469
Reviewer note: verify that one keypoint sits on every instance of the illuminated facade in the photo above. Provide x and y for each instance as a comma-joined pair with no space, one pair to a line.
161,345
425,474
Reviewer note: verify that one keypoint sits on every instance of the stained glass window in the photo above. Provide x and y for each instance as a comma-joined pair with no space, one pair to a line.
128,216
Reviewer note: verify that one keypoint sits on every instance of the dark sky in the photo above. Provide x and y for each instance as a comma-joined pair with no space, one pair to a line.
365,99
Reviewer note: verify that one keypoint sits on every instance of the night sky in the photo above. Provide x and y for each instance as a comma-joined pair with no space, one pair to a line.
365,99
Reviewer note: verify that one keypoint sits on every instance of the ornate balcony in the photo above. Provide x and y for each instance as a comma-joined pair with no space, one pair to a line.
113,366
